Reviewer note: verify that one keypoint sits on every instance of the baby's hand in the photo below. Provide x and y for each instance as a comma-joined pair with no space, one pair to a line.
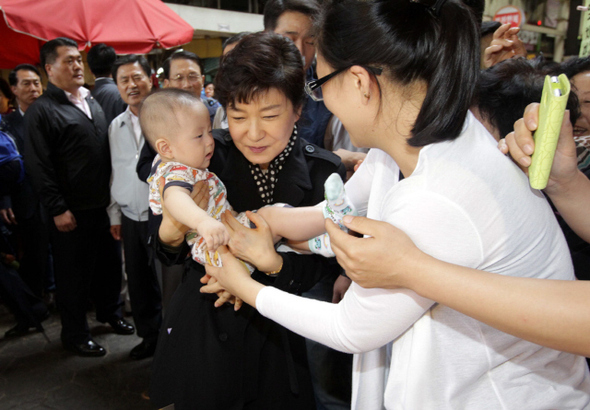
214,233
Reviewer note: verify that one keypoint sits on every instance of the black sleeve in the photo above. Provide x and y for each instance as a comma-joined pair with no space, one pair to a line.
342,172
144,163
300,273
39,133
5,202
170,255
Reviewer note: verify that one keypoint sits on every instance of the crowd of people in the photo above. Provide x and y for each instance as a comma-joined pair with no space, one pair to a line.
223,200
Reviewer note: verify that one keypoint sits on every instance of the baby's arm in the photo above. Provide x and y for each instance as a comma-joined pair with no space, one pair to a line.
297,224
301,224
179,203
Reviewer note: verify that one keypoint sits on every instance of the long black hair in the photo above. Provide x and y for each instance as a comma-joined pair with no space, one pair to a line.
410,41
574,66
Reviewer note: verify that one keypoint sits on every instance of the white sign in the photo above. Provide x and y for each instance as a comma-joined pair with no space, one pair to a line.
510,14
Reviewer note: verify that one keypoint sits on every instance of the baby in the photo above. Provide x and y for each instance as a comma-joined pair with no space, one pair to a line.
177,126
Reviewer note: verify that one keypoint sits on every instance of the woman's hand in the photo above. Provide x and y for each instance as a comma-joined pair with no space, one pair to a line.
385,259
358,165
340,287
200,194
171,231
351,160
234,277
223,296
520,145
505,45
252,245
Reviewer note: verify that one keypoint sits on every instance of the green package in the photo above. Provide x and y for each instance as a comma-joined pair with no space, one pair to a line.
556,91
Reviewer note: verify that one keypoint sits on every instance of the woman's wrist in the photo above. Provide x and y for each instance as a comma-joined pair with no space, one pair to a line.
249,290
423,277
563,188
272,263
275,272
414,271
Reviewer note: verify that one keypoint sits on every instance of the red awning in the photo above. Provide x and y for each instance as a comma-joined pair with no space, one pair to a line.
130,26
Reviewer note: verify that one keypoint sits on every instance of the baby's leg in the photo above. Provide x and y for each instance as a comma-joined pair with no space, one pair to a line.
296,224
321,245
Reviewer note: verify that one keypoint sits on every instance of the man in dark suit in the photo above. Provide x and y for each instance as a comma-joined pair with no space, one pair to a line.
70,168
100,61
22,210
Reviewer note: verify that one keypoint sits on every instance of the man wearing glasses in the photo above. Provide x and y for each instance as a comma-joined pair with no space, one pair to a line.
184,70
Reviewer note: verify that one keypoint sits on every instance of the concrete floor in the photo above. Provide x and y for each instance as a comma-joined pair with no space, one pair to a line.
35,374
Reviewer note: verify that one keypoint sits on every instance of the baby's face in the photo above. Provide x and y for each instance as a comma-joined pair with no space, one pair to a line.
193,144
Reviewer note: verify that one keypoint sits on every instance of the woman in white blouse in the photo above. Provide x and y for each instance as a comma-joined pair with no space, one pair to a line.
400,75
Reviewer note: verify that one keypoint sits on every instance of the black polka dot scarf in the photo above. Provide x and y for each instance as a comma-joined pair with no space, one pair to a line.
266,179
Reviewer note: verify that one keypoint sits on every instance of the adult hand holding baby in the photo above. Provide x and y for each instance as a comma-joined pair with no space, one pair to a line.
173,232
252,245
233,277
223,296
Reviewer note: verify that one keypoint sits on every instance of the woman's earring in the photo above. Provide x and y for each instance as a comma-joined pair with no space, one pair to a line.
366,95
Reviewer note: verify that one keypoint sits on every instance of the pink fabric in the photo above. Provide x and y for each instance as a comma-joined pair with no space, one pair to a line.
130,26
81,102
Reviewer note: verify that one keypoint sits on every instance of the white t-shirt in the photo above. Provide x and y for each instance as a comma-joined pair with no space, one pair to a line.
467,204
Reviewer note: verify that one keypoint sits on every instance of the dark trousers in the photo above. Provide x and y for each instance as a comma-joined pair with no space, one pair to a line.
33,235
144,290
28,310
169,277
86,267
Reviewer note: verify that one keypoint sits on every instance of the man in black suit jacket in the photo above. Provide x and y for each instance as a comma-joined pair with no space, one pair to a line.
22,210
100,60
70,167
